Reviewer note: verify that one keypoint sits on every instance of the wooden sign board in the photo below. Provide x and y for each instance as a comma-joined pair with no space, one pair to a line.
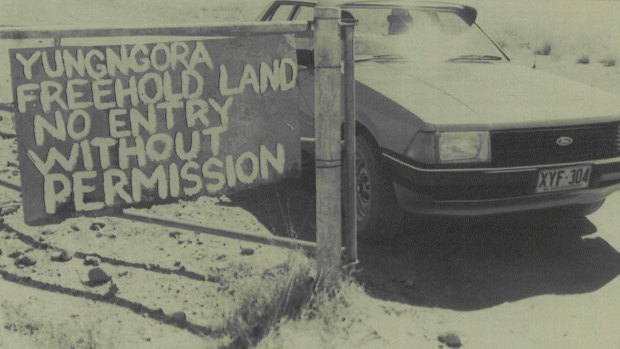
107,127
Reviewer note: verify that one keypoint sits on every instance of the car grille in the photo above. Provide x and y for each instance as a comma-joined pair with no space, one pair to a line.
538,146
476,192
618,140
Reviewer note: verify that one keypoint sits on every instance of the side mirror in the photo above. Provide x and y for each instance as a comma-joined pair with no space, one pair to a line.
305,57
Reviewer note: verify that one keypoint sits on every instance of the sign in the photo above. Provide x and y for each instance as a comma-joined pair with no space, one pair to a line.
106,127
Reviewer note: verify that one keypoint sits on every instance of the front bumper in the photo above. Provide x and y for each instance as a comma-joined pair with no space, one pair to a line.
488,191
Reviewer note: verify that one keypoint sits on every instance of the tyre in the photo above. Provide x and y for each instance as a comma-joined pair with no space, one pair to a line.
379,217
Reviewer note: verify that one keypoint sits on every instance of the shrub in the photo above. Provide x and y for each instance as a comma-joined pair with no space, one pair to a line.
544,50
608,62
583,60
328,318
280,292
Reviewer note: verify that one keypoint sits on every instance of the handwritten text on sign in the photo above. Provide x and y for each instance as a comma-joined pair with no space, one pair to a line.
132,125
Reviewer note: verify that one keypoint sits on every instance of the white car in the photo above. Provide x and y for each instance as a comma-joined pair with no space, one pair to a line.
447,125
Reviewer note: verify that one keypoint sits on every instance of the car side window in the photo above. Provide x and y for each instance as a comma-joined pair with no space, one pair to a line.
451,23
304,13
282,13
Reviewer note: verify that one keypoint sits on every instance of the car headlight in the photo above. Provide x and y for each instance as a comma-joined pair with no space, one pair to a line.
463,147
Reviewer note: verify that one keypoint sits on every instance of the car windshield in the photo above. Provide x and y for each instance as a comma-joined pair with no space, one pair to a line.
420,35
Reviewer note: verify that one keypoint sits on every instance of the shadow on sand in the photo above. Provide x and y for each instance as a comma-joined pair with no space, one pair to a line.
460,264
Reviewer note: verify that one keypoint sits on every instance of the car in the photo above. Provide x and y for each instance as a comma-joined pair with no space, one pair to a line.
447,125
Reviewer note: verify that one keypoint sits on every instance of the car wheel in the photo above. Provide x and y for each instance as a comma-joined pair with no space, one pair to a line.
379,217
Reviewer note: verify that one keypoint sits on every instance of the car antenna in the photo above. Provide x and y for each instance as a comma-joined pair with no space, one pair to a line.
534,51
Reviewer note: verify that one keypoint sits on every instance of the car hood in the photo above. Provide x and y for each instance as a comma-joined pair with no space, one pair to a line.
487,95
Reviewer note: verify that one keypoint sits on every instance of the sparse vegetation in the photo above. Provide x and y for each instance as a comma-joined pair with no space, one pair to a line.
565,30
583,60
544,50
280,292
48,333
608,62
328,317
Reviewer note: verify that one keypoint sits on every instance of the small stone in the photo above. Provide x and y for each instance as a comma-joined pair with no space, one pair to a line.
174,234
97,226
25,261
62,256
220,257
179,317
451,340
9,209
247,251
92,260
75,227
125,273
47,232
97,277
177,264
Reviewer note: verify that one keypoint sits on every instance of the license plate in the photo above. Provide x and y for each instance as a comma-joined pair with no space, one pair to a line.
564,178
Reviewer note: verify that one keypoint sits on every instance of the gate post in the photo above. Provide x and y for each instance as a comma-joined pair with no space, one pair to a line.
349,176
328,111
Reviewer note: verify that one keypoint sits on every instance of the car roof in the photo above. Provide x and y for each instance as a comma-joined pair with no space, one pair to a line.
381,3
468,13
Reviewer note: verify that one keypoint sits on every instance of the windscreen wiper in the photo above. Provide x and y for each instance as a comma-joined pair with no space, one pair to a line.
380,58
475,58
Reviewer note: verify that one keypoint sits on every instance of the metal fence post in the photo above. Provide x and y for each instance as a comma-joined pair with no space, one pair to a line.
328,111
350,180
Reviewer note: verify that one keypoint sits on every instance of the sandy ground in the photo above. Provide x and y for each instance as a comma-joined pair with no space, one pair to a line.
540,283
514,282
155,271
